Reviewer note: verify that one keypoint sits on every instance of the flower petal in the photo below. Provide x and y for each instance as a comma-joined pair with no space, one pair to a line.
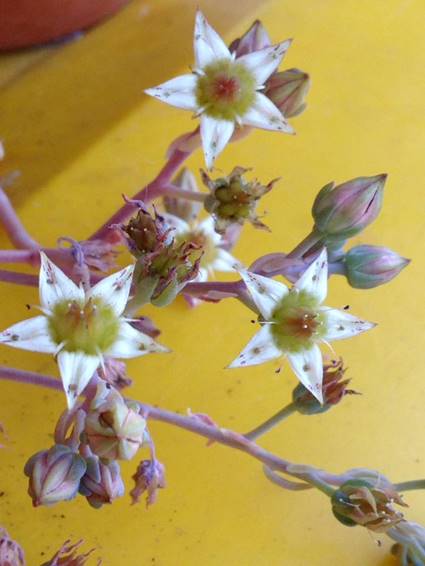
264,62
31,334
114,289
225,262
131,343
260,349
342,325
314,280
215,135
207,227
265,115
207,44
265,292
308,367
76,369
180,226
179,92
55,286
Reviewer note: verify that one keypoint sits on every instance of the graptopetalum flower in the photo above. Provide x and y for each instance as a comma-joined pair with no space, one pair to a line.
225,89
203,236
294,322
80,327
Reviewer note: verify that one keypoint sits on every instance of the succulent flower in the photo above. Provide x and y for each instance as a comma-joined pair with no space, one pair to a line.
225,89
359,502
293,323
288,90
410,547
233,199
102,482
149,477
185,209
369,266
11,554
343,211
67,555
54,475
79,327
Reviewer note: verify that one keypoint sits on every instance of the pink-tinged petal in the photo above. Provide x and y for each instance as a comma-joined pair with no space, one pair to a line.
55,286
179,92
265,292
225,262
215,135
131,344
340,324
314,280
264,62
76,369
308,367
207,227
259,350
207,44
114,289
31,334
265,115
180,226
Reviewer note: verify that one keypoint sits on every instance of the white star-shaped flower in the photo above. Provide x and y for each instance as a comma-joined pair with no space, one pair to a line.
214,257
294,322
225,90
80,327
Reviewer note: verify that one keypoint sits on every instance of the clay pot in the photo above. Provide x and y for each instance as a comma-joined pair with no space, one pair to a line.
31,22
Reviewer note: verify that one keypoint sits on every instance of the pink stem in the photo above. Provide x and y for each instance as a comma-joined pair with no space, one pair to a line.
18,278
173,191
13,226
30,377
154,189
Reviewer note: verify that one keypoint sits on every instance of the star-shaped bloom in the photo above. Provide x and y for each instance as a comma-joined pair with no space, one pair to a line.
203,234
80,327
225,89
294,322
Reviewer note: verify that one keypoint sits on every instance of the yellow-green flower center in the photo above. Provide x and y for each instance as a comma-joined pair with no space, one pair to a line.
226,89
91,327
297,323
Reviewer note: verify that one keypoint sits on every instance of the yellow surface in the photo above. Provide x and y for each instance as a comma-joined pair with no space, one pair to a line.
82,133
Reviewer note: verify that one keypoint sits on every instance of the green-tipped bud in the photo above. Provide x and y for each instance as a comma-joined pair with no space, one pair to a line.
370,266
344,211
183,208
288,90
102,482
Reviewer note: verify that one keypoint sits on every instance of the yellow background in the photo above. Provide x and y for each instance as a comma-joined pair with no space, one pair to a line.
75,122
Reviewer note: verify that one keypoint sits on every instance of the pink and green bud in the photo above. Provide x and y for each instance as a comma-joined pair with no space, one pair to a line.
149,477
11,554
102,482
344,211
233,199
254,39
288,90
360,502
113,430
67,555
370,266
183,208
54,475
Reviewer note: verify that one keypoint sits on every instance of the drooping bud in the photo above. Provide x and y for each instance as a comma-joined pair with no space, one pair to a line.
67,555
183,208
410,547
233,199
114,372
344,211
288,90
334,388
370,266
113,430
163,266
359,502
11,554
54,475
149,477
254,39
102,482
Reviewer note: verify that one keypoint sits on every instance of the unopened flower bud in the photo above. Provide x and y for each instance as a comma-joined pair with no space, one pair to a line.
67,555
233,199
102,482
288,90
149,477
344,211
359,502
254,39
113,430
11,554
54,475
370,266
334,388
183,208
